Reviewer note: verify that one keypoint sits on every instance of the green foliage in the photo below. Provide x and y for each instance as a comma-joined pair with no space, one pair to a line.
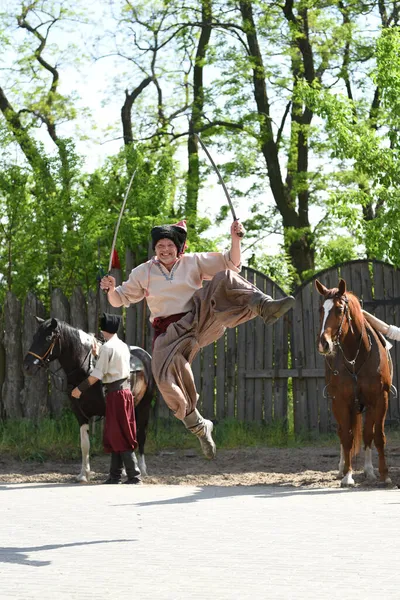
58,439
278,267
335,251
325,137
55,234
48,439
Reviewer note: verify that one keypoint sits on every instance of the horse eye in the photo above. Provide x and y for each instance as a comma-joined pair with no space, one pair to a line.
339,309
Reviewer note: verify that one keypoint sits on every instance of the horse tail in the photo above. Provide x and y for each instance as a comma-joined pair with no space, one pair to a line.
357,433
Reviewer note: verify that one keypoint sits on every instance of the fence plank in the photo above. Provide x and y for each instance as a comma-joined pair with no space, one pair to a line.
309,352
258,358
58,398
34,396
299,361
395,351
13,382
220,377
268,390
2,365
208,381
78,310
280,356
93,312
231,362
392,414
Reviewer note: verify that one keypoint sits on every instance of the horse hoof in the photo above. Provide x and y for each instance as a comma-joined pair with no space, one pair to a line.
347,481
82,479
386,483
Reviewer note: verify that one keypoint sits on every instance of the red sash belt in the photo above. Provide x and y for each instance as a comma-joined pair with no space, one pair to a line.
160,324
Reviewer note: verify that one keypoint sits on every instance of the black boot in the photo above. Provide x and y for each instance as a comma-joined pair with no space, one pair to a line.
115,469
131,467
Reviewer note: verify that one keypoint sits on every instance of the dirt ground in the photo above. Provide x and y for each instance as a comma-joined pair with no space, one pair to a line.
300,467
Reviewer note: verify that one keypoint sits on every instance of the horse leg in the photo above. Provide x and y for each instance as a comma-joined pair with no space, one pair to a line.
142,414
346,439
380,440
368,435
84,475
341,462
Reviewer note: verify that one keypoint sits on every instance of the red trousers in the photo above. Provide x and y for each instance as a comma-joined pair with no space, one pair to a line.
120,426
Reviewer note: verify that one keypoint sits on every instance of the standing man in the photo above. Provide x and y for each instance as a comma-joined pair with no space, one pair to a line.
113,369
187,316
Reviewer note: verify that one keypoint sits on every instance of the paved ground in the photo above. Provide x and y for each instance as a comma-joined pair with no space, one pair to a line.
68,542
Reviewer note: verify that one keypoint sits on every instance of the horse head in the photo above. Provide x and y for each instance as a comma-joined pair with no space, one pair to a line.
335,316
43,348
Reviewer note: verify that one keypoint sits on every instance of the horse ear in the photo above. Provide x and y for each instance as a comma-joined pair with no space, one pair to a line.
321,288
54,323
39,319
342,287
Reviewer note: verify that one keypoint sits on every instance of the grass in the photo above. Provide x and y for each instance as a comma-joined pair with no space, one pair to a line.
58,439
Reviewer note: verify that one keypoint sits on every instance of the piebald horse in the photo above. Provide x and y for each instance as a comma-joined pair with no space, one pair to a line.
358,376
73,348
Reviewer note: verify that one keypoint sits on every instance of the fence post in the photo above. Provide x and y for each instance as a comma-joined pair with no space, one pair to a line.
58,397
13,382
34,396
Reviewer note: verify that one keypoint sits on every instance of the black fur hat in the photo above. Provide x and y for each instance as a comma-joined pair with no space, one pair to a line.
110,323
176,233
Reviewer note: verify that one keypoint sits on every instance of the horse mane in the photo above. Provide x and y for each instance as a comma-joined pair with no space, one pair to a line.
355,310
75,335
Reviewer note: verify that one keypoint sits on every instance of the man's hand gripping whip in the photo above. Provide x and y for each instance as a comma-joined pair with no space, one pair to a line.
240,234
121,212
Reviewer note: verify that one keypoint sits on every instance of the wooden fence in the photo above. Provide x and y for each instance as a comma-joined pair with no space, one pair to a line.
253,373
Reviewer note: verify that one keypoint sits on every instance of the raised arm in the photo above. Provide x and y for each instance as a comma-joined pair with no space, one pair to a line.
236,250
108,283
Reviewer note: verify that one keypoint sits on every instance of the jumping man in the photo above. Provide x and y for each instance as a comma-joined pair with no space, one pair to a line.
187,316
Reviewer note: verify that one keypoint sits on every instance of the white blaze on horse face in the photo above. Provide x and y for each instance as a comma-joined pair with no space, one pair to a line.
327,306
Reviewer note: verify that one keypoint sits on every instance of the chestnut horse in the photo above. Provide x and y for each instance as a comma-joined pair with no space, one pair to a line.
358,375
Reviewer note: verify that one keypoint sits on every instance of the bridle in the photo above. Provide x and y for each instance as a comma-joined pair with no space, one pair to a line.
351,369
45,360
346,314
46,357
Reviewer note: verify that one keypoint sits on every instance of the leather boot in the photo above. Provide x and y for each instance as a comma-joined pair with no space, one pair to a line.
115,469
202,428
131,467
271,310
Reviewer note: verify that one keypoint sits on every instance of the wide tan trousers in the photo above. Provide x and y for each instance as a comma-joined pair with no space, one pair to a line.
224,302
